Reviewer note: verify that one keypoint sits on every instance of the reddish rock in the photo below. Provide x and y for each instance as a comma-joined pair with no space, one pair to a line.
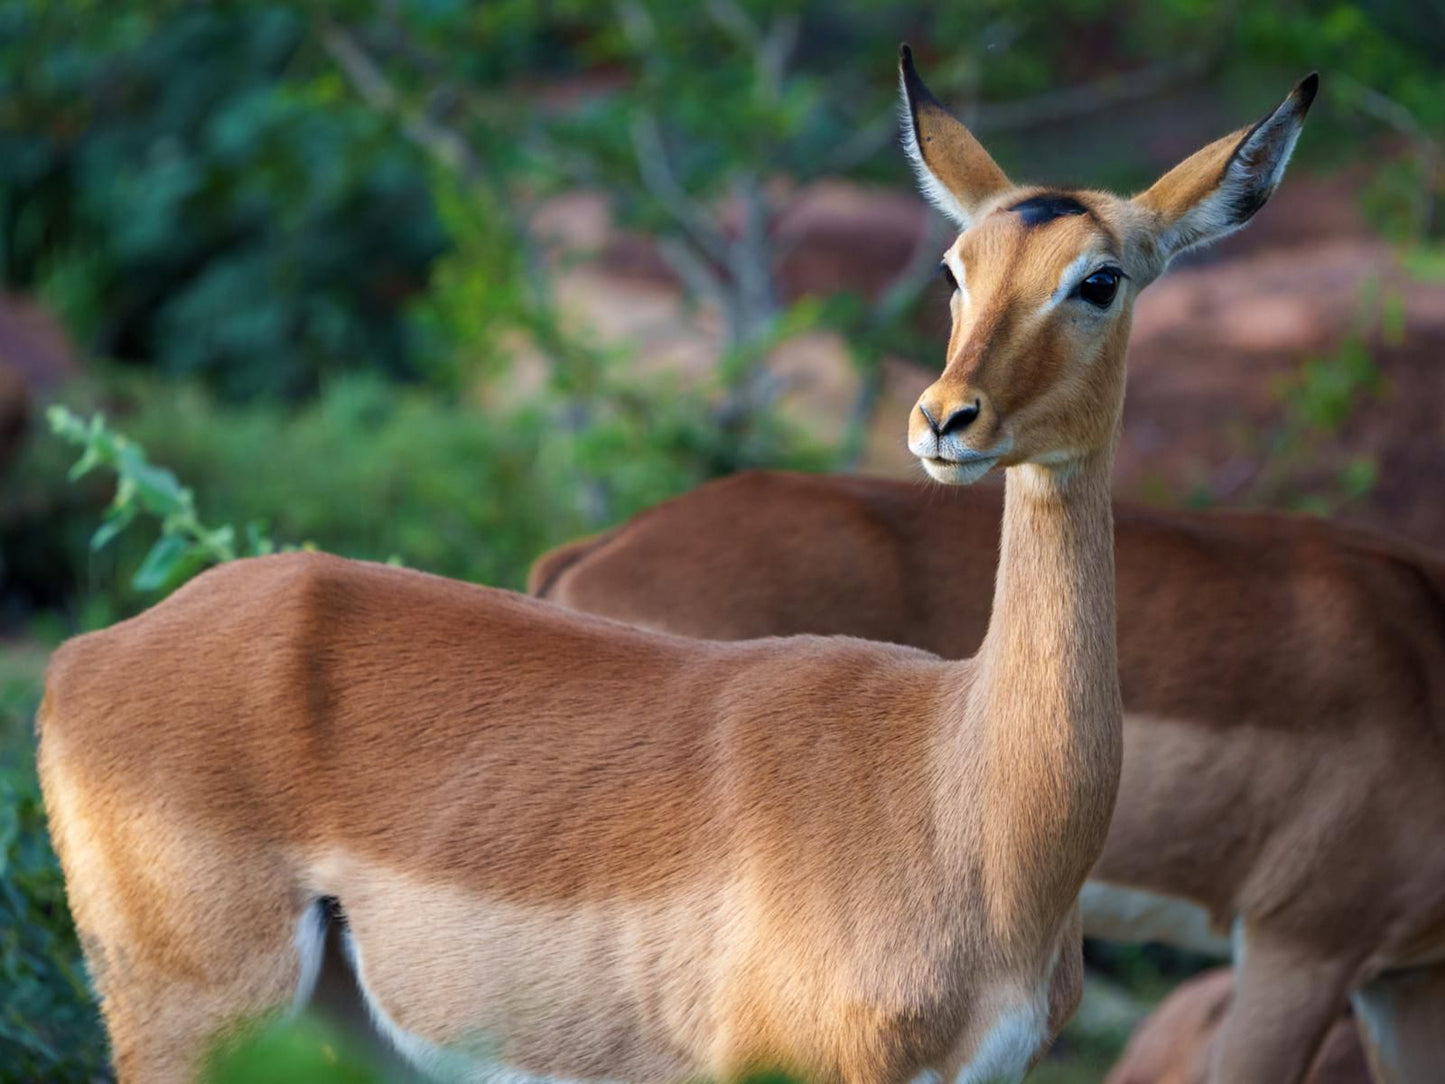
35,356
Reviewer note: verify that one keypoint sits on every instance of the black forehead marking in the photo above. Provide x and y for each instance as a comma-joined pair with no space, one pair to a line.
1037,210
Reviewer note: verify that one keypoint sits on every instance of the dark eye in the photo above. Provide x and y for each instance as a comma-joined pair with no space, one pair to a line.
1100,287
946,273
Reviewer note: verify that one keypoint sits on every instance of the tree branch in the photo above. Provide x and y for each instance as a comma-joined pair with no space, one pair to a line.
441,143
658,179
917,273
1388,111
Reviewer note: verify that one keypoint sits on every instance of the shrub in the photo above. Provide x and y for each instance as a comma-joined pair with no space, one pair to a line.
369,471
49,1027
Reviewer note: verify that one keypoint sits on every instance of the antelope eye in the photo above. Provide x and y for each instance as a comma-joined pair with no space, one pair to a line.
1100,287
946,273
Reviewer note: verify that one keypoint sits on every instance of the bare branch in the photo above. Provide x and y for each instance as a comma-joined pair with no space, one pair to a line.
774,53
442,143
917,273
771,51
734,20
750,259
700,279
658,179
1388,111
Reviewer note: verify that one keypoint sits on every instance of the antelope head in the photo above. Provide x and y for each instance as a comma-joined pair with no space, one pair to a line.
1044,281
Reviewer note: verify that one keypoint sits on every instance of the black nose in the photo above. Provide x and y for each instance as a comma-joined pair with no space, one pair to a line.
960,419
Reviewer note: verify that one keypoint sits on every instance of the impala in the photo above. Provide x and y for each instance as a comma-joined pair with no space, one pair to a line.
601,852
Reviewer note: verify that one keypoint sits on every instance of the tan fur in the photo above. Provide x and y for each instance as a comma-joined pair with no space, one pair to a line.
609,853
1175,1043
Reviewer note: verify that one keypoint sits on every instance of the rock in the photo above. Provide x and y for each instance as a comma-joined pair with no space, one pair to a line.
35,356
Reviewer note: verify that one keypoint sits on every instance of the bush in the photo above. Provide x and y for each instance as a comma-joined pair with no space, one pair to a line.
178,181
374,472
299,1051
49,1027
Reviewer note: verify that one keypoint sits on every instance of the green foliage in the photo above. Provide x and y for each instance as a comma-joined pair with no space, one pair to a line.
49,1028
1427,262
296,1051
185,545
1318,400
205,188
378,472
190,188
346,331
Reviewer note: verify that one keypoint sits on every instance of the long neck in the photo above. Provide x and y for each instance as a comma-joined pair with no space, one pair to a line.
1044,692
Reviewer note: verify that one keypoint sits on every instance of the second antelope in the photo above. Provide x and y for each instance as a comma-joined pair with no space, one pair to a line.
606,853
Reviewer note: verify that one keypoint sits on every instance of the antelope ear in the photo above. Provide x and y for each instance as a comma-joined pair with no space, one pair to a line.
1217,190
954,171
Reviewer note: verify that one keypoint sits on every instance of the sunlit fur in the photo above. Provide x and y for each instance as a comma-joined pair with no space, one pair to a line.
1045,369
604,853
1035,359
1046,373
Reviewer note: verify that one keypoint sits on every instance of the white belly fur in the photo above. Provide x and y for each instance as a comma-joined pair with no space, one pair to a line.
1008,1046
1134,915
1014,1035
433,1061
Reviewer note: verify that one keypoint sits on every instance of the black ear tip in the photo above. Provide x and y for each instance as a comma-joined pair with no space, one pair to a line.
1308,87
913,87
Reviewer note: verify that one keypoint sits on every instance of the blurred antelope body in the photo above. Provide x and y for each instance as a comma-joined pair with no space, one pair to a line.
606,853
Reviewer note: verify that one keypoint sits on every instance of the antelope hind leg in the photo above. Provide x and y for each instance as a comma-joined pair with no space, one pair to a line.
1285,999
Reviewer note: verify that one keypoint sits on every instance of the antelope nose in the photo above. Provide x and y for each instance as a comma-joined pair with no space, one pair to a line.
956,422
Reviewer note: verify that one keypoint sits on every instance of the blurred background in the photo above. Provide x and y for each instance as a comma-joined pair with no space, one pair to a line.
448,283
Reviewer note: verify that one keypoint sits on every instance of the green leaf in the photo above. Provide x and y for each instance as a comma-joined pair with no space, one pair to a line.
1392,319
9,827
221,542
166,559
1359,476
88,461
118,520
65,423
157,488
257,541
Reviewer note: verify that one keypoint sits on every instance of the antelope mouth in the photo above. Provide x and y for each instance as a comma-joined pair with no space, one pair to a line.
960,470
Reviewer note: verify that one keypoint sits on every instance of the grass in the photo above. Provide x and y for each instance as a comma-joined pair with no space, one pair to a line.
49,1027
